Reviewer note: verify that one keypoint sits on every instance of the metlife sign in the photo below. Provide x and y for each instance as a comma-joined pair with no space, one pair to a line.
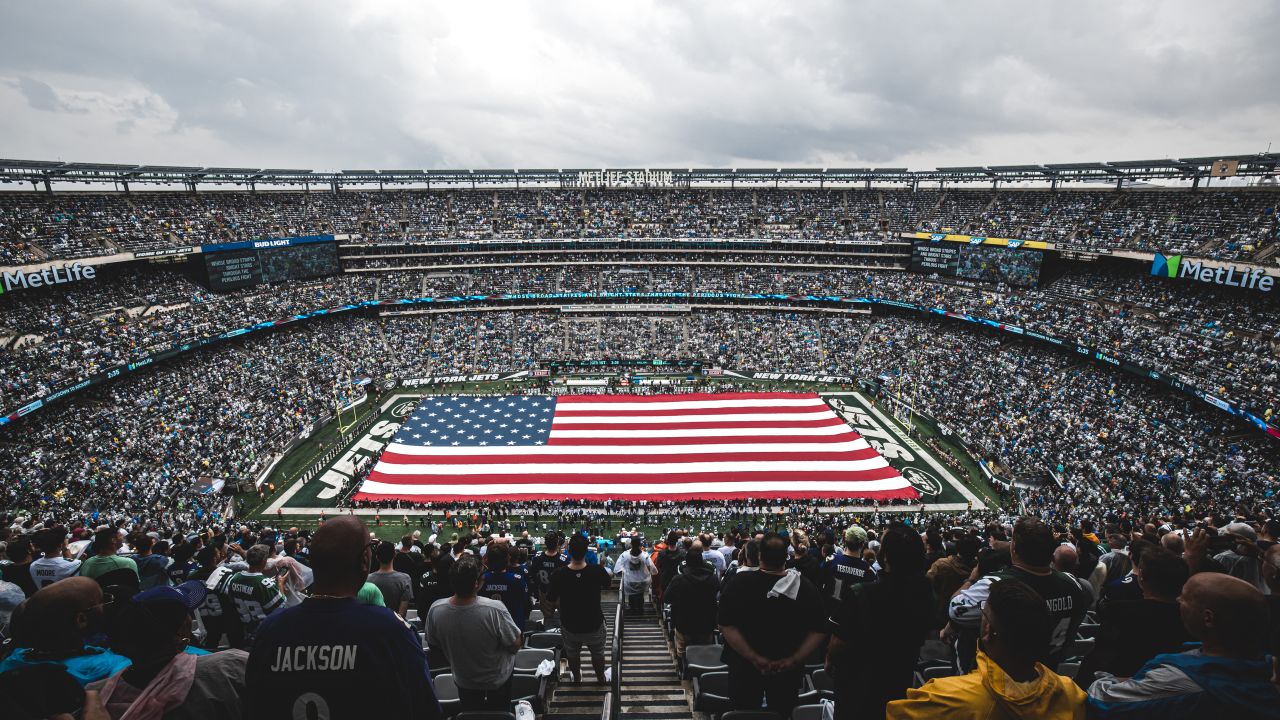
45,277
1177,266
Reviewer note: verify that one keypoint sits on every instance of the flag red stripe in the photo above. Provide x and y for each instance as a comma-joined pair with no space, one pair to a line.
640,412
676,423
396,458
905,493
651,479
729,440
692,397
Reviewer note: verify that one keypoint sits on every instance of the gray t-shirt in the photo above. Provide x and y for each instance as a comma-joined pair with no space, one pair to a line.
477,638
396,587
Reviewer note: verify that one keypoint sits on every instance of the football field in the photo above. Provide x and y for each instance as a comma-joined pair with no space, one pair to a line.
312,478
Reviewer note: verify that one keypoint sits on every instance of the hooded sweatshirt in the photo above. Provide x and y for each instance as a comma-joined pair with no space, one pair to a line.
988,693
692,596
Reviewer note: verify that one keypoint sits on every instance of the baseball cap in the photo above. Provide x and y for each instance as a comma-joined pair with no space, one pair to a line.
190,593
1240,530
855,535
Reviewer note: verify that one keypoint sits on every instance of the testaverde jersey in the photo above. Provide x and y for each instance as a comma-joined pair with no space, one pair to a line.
1066,599
253,597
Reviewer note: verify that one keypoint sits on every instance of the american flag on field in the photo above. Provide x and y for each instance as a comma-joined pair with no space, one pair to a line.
656,447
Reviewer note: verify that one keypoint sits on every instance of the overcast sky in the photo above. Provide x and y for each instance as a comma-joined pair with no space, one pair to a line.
355,84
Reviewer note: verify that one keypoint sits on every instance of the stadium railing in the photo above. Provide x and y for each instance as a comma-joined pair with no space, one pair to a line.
613,702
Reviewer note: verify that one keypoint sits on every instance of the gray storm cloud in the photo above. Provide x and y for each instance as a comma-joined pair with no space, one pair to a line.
339,84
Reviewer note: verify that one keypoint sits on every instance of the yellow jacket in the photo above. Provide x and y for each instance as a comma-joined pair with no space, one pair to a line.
988,693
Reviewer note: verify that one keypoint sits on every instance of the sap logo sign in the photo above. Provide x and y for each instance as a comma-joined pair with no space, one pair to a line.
1015,244
977,240
1175,266
69,272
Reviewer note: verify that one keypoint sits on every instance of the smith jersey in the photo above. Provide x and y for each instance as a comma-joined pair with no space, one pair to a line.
541,569
253,597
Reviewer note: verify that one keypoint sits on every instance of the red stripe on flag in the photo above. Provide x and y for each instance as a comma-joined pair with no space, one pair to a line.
675,423
652,479
573,411
906,493
396,458
691,397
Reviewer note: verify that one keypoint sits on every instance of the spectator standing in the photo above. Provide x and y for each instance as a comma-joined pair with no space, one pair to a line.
577,587
251,594
1227,677
1132,632
692,597
506,584
541,568
152,630
847,568
1242,559
637,572
333,657
153,569
18,571
396,587
879,628
1016,626
947,574
107,566
54,563
1032,554
51,626
669,560
478,637
772,621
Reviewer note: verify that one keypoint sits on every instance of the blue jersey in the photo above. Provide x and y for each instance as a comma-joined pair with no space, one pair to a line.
335,658
844,571
512,590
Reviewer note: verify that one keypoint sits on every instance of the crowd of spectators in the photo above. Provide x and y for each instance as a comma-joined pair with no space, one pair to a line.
1217,223
1207,339
937,617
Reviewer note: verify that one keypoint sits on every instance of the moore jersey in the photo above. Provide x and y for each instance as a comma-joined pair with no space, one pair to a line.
252,597
844,571
542,567
1066,599
336,659
510,589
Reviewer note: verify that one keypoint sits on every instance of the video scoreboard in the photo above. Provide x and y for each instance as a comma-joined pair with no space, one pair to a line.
237,265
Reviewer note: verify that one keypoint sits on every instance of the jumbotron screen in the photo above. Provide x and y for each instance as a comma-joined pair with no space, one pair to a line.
232,269
1020,268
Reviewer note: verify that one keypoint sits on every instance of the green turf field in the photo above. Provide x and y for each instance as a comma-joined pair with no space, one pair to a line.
310,480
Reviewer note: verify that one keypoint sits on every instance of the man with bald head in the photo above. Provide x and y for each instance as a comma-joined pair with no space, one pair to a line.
52,626
1228,676
332,657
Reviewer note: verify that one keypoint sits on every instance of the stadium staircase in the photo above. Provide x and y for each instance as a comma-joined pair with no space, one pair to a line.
646,681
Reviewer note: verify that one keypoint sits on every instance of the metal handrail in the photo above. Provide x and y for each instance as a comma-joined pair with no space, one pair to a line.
614,699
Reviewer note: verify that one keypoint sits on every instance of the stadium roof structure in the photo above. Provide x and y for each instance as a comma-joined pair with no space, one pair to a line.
43,172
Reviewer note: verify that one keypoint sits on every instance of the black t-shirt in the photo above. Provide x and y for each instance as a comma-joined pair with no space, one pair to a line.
772,626
20,574
541,568
579,595
338,659
1067,602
